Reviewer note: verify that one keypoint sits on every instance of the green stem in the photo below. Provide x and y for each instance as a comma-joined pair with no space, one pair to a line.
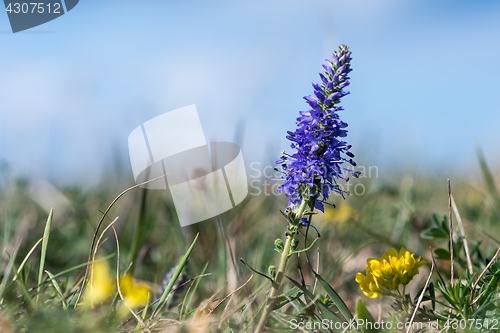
276,286
272,299
302,209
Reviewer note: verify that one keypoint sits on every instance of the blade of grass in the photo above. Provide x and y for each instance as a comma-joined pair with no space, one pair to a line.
177,272
24,291
367,317
8,269
26,259
488,178
144,312
482,274
462,231
183,304
194,281
138,231
232,293
339,303
58,289
69,270
196,286
97,231
245,304
324,310
45,242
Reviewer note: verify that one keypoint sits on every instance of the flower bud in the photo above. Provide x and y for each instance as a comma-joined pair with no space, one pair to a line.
272,271
295,244
278,243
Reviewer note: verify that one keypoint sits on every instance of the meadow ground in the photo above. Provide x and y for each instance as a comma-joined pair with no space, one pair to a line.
215,291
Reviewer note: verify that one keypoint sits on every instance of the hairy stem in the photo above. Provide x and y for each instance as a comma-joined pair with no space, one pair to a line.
271,301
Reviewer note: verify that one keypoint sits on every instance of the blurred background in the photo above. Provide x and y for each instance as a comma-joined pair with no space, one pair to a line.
423,86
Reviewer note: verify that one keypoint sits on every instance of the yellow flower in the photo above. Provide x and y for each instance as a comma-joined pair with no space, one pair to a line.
407,266
385,275
368,286
135,293
340,214
474,199
102,284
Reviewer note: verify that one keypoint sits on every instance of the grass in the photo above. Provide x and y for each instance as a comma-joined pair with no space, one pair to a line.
45,255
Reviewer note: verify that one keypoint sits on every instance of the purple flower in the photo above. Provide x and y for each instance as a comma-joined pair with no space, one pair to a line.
167,278
313,169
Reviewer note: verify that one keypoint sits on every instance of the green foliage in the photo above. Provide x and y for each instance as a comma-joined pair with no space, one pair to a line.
335,298
440,229
366,316
328,292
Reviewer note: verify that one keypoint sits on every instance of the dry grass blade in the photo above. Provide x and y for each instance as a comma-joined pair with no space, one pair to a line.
481,275
235,291
452,259
462,231
420,298
118,279
99,225
95,253
245,303
317,271
225,310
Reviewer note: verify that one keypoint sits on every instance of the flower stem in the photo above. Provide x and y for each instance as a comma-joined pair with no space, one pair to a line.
272,299
271,303
301,211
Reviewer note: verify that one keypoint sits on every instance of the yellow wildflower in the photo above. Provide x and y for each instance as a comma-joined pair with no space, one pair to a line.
102,284
385,275
340,214
135,293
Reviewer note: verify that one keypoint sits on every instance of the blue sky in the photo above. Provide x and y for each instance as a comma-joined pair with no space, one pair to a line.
423,87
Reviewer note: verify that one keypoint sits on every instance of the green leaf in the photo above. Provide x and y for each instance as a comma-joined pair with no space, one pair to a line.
299,306
437,218
339,303
324,310
243,261
8,269
288,297
45,243
442,254
22,286
21,267
434,233
190,301
366,316
440,230
58,288
178,271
